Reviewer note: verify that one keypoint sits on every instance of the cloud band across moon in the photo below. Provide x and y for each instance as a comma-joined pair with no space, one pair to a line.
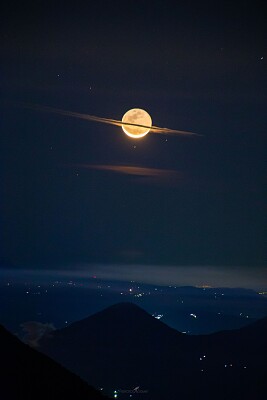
110,121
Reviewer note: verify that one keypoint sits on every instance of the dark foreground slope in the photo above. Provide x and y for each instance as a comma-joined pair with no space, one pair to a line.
27,374
123,347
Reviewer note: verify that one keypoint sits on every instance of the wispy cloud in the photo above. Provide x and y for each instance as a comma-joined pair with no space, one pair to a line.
35,331
110,121
215,276
146,174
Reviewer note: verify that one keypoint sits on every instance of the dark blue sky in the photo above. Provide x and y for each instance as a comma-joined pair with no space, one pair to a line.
68,194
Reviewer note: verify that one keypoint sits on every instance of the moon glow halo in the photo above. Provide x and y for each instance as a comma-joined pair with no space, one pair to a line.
141,121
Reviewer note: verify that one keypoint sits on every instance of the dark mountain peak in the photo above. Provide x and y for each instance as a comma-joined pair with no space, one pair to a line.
122,324
124,309
115,337
124,305
120,319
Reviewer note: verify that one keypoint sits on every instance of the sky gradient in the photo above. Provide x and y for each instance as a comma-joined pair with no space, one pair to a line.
77,192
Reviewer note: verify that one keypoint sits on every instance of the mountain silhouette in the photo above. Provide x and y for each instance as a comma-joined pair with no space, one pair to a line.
27,374
124,347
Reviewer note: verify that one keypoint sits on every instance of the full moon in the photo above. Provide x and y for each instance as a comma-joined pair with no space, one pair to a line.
136,116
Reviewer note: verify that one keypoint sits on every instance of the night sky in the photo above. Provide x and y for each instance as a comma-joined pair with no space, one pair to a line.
76,192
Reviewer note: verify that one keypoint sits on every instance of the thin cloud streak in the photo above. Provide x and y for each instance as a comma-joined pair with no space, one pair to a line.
165,275
156,176
110,121
133,170
214,276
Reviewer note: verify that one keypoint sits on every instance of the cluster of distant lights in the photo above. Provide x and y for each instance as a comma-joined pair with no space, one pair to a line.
228,365
157,316
132,291
35,289
202,358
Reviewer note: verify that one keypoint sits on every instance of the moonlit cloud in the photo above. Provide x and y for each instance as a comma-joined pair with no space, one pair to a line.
35,331
153,175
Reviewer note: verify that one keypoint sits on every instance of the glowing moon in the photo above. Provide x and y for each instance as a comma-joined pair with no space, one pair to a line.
136,116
